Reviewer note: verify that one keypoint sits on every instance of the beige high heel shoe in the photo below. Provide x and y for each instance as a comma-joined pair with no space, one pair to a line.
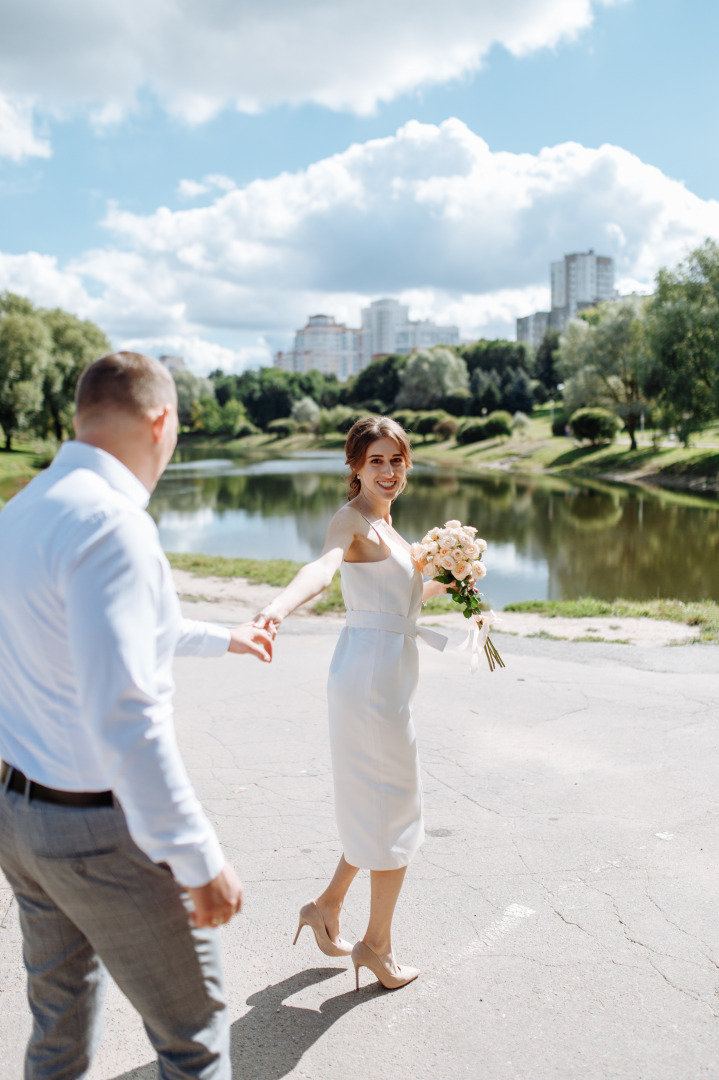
310,915
363,956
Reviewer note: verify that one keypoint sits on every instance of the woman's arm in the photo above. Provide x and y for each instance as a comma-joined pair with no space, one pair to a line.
314,576
432,587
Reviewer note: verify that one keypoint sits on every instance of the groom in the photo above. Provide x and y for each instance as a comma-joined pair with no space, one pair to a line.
113,864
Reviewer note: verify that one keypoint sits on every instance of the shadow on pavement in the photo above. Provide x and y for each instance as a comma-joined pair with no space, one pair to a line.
269,1040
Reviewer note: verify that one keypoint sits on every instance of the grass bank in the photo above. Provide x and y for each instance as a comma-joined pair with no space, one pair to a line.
277,572
538,451
17,468
703,614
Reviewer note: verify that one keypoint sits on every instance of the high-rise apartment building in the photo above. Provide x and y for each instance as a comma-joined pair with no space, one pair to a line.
387,328
577,281
324,345
333,348
581,280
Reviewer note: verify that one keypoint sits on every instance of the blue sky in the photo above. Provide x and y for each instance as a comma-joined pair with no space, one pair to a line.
483,145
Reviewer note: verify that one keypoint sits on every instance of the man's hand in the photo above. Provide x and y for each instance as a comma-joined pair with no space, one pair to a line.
215,903
251,639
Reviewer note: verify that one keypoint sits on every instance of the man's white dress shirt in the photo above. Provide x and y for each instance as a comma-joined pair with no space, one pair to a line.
89,624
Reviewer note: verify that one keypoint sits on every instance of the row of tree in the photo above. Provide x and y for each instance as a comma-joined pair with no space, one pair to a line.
632,356
471,381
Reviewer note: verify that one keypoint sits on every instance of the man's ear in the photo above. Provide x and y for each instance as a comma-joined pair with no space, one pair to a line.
158,423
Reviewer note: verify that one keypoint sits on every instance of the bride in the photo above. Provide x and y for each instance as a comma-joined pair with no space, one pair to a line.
373,676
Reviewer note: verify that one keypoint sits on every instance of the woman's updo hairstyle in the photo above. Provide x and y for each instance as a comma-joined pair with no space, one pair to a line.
361,435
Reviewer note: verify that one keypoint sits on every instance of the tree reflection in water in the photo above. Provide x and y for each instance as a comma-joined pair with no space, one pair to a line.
548,537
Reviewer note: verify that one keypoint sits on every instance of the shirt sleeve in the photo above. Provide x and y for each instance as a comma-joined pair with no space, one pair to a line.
116,634
202,639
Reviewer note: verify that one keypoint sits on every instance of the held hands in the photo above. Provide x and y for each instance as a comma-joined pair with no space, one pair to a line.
214,904
254,639
267,620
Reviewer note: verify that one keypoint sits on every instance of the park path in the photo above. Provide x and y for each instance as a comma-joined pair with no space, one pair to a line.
562,909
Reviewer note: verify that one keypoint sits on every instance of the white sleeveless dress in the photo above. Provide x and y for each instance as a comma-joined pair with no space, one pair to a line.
372,679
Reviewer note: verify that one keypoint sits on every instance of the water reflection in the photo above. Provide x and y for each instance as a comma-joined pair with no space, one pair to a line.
547,538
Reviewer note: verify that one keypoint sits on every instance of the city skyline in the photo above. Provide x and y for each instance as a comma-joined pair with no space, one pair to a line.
579,280
197,182
336,349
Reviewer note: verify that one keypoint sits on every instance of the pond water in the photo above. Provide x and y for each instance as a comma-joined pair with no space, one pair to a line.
548,538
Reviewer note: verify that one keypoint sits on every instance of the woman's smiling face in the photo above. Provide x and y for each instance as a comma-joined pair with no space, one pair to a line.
384,472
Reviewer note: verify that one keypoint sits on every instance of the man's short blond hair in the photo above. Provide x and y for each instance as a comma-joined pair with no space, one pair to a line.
126,381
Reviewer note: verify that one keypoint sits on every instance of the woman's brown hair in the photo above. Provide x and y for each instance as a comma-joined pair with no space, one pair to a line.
366,431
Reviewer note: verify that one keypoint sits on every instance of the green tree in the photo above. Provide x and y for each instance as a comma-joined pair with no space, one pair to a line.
517,393
683,330
74,344
25,353
485,391
305,411
268,394
545,364
190,390
429,376
379,381
498,356
603,361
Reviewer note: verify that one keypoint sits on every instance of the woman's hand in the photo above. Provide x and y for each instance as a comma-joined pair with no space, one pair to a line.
269,620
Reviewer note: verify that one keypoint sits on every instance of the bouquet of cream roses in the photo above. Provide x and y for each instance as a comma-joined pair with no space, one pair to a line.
452,555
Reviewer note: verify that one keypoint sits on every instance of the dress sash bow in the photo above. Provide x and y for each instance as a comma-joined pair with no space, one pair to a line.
396,624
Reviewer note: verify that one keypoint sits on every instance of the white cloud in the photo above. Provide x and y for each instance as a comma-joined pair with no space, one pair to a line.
198,58
17,137
192,189
430,215
431,208
40,279
202,356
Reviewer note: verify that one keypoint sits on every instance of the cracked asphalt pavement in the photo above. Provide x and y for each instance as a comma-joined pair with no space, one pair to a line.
564,906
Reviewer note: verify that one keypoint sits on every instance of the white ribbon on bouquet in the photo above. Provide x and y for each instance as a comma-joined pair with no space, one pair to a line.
477,634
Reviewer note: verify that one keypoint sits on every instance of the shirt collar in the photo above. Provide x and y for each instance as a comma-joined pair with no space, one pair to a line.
80,455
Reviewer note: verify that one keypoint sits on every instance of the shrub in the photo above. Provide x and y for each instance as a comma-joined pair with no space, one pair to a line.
594,425
471,431
459,402
282,428
346,422
374,406
498,423
447,429
329,419
426,422
559,424
243,428
408,419
521,424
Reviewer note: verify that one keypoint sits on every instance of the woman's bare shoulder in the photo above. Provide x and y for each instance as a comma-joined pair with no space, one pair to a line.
348,520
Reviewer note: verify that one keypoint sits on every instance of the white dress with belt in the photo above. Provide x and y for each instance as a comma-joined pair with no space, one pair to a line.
372,679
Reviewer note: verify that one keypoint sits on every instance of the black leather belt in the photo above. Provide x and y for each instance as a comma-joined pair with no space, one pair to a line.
17,781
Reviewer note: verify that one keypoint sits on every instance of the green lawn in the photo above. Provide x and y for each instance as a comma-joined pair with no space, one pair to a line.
703,614
17,468
278,572
539,451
